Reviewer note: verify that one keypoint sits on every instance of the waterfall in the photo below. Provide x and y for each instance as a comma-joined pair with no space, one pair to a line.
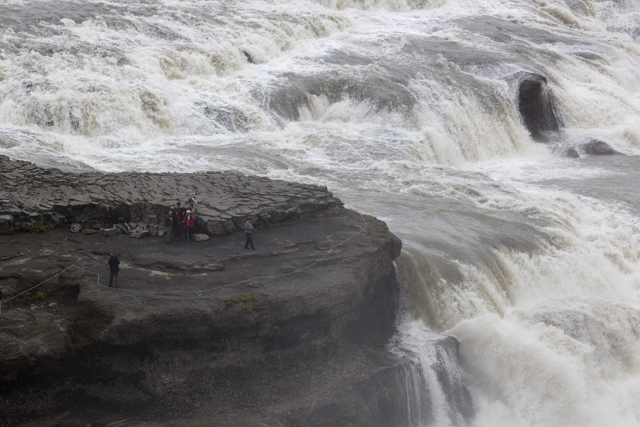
416,111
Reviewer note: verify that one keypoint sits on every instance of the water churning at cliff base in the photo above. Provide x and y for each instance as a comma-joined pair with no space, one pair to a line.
408,110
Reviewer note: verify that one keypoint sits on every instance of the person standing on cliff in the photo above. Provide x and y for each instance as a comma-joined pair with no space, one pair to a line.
189,223
168,226
248,228
192,205
114,267
177,221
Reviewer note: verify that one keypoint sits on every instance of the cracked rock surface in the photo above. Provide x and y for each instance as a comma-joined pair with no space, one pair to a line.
32,195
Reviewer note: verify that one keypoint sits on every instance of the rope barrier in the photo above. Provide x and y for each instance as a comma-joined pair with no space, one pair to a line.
197,292
41,283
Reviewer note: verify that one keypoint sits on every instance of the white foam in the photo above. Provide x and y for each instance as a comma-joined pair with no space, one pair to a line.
489,239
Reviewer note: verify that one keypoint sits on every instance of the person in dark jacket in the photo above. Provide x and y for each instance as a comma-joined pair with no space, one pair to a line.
189,224
168,226
114,267
177,221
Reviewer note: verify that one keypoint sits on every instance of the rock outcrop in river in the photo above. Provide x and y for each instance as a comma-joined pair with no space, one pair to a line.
537,106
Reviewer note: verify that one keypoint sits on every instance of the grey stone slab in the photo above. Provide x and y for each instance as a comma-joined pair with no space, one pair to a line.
225,198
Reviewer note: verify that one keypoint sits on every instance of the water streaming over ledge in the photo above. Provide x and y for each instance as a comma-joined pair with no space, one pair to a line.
408,110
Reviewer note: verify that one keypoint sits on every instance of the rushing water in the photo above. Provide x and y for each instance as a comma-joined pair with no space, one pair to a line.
407,110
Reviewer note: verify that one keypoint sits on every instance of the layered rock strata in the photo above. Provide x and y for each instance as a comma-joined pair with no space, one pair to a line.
31,197
292,334
189,319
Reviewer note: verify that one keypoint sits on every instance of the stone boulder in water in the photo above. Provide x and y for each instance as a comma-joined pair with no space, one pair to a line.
536,104
593,148
596,147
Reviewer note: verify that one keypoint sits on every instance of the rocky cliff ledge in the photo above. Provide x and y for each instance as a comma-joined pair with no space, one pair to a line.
200,333
202,329
33,198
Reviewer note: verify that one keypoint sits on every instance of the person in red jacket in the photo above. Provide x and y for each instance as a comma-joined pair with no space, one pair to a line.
189,223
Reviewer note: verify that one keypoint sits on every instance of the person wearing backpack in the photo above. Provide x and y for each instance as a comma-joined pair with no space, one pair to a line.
189,224
114,268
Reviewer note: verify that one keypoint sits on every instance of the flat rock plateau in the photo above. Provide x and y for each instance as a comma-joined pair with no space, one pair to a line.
200,333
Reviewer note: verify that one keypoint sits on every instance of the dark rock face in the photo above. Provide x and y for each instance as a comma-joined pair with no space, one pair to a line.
537,106
398,395
186,329
592,148
459,400
295,331
598,148
572,153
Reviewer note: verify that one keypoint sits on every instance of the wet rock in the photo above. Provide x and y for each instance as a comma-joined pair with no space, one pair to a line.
36,217
75,227
124,228
24,225
190,315
156,229
208,266
200,237
572,153
215,226
81,213
140,233
30,193
388,397
592,148
598,148
121,213
6,221
537,106
110,232
6,207
54,218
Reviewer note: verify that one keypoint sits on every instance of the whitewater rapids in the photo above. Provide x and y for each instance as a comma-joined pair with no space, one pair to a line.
407,110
